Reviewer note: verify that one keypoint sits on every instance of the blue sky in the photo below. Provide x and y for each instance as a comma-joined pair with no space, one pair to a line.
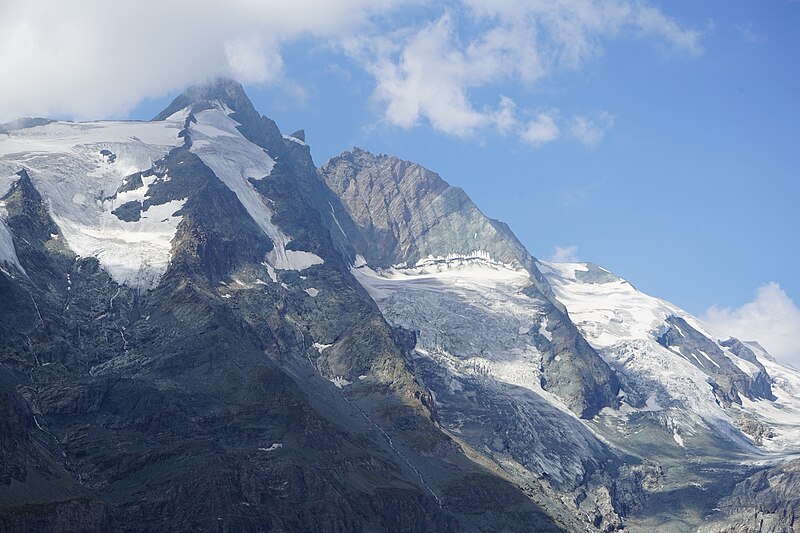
658,139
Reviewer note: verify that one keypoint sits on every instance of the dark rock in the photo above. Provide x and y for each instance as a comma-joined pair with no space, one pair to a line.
766,502
129,211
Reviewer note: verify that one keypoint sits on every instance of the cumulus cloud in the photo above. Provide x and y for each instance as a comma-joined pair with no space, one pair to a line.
253,60
430,61
432,74
91,58
564,254
429,79
772,319
542,129
588,130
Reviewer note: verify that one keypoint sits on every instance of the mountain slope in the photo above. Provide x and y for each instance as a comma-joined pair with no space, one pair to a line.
728,407
658,347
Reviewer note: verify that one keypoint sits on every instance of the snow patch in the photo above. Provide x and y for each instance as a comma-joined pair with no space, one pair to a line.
623,325
321,347
745,366
704,354
651,404
340,382
458,260
271,272
272,448
471,315
543,330
133,253
295,260
311,291
294,140
336,220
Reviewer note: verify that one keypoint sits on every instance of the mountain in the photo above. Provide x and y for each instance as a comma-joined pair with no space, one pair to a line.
200,329
407,216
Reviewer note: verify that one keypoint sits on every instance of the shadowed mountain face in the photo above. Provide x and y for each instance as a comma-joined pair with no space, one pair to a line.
200,330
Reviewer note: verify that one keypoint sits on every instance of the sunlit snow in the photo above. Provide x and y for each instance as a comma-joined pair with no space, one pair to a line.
470,314
623,323
8,254
75,179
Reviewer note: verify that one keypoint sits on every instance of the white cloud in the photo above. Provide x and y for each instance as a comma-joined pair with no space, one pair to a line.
92,58
651,21
542,129
589,131
505,117
574,29
432,74
438,64
253,60
564,254
429,79
772,319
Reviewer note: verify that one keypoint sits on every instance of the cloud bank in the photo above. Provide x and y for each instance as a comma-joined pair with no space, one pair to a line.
429,61
772,319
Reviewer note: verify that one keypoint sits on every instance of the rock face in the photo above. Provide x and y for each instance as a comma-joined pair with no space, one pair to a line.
729,381
405,213
766,502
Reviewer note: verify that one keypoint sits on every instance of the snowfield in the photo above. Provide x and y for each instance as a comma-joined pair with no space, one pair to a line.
76,180
478,335
476,327
468,311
